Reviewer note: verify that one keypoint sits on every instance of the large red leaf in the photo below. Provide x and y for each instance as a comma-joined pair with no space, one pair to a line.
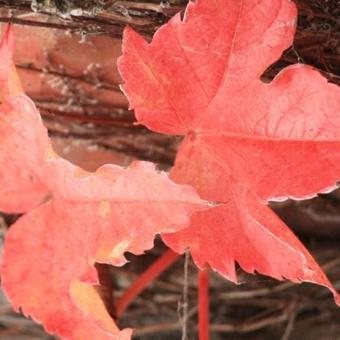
246,141
50,252
74,220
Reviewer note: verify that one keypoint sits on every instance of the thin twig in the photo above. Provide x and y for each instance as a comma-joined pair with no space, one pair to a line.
290,326
162,327
185,304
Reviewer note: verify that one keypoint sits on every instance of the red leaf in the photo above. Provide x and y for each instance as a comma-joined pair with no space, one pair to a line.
246,142
111,212
24,140
49,254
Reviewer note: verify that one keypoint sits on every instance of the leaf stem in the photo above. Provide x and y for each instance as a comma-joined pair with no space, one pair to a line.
203,304
157,268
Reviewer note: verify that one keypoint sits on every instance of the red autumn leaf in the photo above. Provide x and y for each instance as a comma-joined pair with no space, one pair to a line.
246,142
107,213
24,140
76,219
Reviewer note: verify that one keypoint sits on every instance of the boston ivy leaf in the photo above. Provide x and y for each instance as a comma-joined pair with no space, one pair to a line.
24,140
49,253
246,141
74,219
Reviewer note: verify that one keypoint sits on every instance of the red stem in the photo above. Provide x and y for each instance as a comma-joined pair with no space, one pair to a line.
157,268
203,304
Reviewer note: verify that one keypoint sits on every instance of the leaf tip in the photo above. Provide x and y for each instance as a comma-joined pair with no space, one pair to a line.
8,40
10,83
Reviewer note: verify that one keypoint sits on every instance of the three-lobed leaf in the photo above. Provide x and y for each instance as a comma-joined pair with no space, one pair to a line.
246,141
73,219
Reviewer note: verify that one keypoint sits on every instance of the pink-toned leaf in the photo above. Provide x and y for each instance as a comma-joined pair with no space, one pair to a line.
112,212
246,141
74,219
24,142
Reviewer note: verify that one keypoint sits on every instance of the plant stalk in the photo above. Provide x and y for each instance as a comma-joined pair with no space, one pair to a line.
203,304
157,268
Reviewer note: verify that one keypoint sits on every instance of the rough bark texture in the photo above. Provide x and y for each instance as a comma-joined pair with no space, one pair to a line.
67,63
